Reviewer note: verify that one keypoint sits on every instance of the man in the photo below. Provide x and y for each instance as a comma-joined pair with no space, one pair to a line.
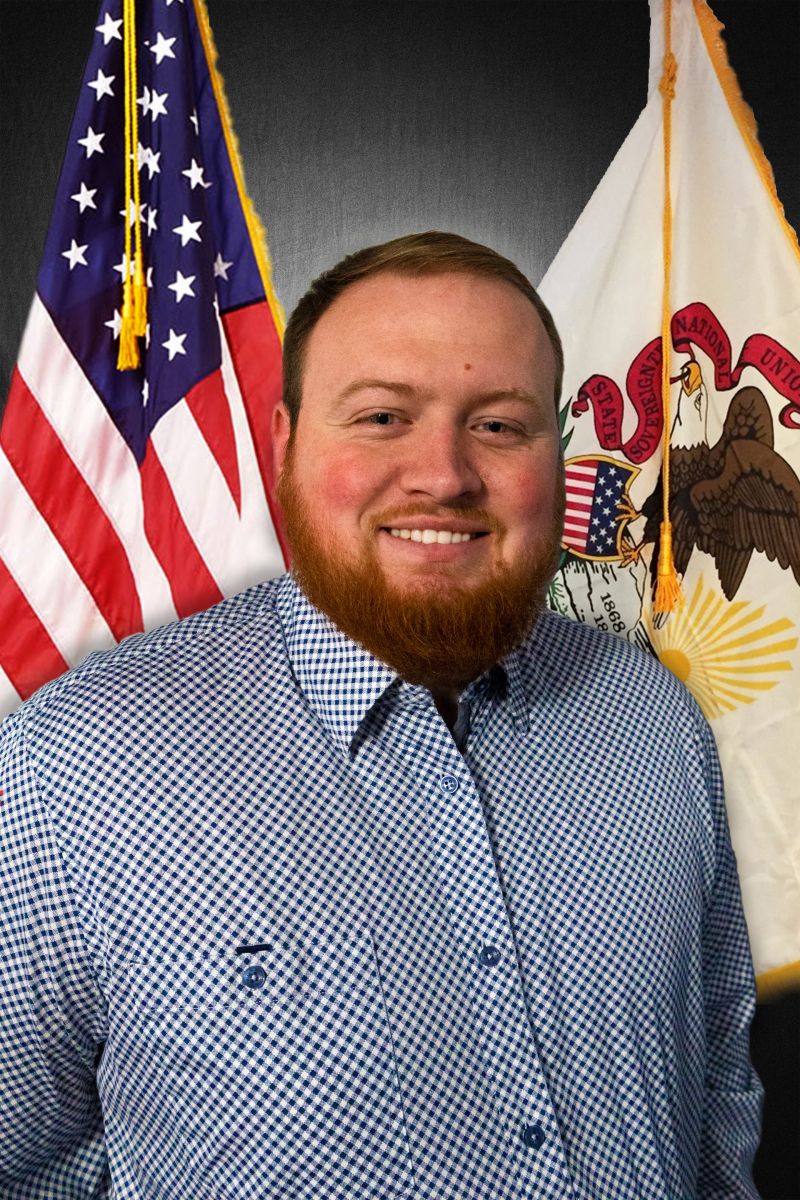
377,880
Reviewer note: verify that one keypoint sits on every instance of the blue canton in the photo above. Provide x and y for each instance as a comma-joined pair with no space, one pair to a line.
193,226
270,932
604,520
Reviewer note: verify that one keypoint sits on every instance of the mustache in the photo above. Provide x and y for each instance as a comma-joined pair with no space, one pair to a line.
479,516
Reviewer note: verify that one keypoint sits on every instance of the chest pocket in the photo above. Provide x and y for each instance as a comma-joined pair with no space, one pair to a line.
275,1066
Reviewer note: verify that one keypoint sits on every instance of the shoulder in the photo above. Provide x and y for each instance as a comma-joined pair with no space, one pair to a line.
614,705
165,661
567,656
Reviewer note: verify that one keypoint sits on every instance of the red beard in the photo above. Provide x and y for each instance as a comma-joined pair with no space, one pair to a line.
438,636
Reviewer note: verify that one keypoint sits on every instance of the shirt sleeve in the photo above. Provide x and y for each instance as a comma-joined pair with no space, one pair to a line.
733,1093
50,1006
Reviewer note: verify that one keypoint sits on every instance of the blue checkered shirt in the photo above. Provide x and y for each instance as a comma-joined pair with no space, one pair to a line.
270,930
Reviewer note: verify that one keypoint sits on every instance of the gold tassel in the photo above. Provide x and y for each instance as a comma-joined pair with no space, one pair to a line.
669,594
128,355
139,298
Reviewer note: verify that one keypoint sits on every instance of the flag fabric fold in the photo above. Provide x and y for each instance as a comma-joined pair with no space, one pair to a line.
734,375
133,497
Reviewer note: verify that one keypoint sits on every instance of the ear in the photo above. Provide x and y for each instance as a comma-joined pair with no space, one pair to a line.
281,429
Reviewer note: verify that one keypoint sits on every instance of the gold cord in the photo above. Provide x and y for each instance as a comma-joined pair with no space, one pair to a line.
668,594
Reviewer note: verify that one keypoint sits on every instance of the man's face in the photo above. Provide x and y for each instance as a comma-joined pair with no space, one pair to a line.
425,466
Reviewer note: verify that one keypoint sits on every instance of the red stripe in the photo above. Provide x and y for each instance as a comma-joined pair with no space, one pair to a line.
575,506
256,353
192,585
70,508
29,656
209,406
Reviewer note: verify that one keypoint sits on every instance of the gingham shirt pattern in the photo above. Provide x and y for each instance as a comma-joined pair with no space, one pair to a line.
274,933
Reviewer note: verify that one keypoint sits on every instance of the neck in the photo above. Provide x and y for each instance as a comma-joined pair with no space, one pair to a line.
446,701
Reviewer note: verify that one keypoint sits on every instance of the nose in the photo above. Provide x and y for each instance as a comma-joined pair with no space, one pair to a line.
441,466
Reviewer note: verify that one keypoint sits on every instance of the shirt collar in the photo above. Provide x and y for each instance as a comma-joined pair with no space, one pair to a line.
343,682
339,679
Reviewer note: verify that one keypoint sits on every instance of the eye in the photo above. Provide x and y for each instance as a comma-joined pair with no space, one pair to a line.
498,428
381,418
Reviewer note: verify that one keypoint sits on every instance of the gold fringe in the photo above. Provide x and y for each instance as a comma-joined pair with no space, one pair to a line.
772,984
255,227
711,28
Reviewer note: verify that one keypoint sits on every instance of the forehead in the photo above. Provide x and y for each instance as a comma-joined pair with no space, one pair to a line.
430,327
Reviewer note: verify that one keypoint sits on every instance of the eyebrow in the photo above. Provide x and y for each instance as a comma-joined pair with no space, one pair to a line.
409,391
363,385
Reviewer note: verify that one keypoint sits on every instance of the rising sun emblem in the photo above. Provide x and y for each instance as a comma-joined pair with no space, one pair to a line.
724,653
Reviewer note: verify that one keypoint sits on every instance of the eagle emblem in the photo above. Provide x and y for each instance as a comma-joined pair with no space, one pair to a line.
732,499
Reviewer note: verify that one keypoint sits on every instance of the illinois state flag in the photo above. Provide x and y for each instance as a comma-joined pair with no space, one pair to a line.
131,497
735,438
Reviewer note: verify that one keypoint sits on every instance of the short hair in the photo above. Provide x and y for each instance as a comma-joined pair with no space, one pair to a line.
416,254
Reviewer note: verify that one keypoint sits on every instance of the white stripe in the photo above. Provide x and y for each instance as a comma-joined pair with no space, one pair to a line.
9,696
97,448
261,555
199,487
52,586
238,551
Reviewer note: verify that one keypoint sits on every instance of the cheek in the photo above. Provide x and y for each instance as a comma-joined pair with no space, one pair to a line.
343,484
532,498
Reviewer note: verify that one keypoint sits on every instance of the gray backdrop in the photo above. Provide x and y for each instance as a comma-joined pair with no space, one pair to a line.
361,120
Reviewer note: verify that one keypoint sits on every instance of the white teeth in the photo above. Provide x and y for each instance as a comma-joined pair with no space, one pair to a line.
444,537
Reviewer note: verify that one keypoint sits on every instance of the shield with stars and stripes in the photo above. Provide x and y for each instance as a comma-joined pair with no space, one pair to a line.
598,507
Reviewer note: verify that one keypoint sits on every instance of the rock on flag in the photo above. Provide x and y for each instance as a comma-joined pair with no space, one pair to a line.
132,497
735,443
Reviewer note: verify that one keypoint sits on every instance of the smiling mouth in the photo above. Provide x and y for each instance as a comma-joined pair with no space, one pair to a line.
441,537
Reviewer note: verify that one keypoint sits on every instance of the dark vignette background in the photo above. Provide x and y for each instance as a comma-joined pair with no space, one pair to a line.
362,119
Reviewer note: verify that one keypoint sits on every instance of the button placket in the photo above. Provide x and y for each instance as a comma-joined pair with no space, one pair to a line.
470,880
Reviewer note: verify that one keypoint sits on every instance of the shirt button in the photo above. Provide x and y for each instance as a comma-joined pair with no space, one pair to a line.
533,1135
448,784
489,956
254,977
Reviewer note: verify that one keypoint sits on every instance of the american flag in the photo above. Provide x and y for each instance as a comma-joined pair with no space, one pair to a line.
132,497
596,487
